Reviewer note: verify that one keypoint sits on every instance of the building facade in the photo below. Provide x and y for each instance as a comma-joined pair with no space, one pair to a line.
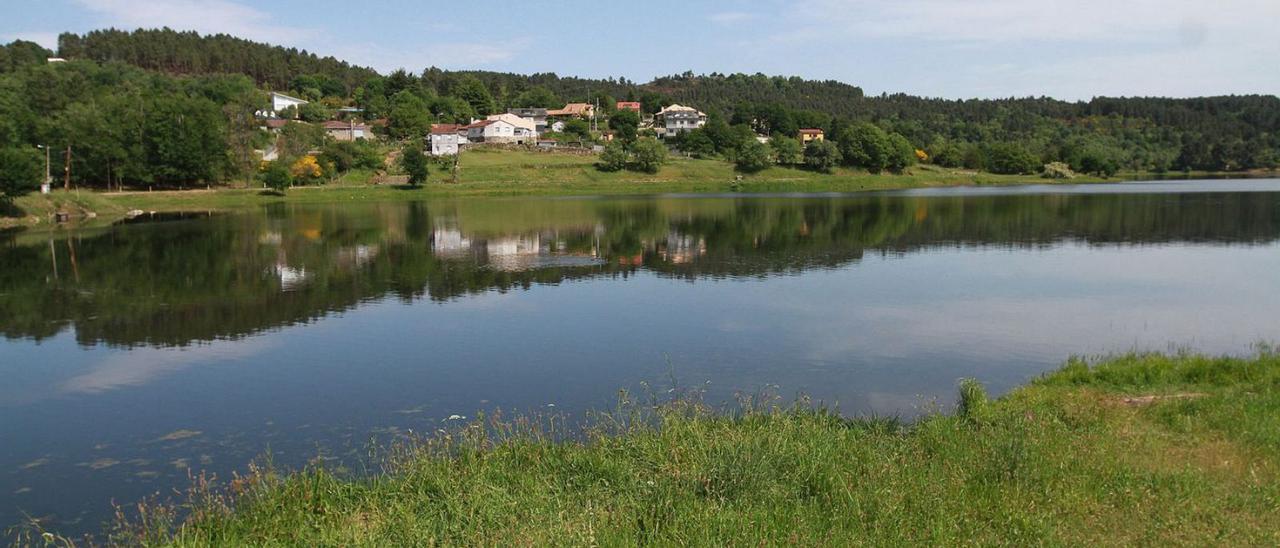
675,119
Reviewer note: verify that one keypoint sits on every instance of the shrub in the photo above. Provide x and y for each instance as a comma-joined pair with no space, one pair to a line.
1057,170
752,156
786,150
277,177
614,157
414,162
649,155
1010,159
821,156
21,171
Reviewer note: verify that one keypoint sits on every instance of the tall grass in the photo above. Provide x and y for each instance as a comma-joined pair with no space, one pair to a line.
1069,459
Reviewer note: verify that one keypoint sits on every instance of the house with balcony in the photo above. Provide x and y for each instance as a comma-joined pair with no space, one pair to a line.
676,119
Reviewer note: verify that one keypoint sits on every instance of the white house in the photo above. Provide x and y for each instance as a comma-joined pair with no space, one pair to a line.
529,125
280,101
498,131
675,119
446,139
537,115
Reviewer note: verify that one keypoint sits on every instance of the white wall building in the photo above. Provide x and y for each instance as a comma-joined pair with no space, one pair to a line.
446,139
675,119
499,131
280,101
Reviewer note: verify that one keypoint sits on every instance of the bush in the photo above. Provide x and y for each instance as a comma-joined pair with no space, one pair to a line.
787,150
1057,170
21,171
752,156
306,170
614,157
649,155
1010,159
867,146
901,153
821,156
414,163
277,177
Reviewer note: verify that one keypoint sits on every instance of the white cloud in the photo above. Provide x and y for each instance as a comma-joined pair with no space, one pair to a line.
207,16
143,365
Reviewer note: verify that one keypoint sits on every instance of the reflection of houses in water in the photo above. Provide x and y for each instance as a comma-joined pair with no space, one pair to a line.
290,278
511,252
682,248
356,256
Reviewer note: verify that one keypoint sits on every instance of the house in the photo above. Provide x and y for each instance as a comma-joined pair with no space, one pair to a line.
528,125
810,134
346,131
628,105
579,110
446,139
536,115
280,101
674,119
497,131
273,125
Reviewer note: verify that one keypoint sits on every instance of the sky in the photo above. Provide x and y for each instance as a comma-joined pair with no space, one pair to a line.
936,48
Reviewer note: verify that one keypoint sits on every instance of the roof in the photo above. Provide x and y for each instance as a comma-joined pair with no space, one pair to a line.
275,123
483,123
339,124
572,109
275,93
527,111
445,129
810,131
628,104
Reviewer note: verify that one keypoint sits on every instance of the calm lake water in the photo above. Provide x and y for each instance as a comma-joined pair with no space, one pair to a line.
137,354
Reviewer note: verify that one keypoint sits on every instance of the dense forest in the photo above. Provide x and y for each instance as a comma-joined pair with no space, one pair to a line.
163,107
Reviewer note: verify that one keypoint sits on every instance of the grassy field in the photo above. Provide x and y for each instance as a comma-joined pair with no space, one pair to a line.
1137,449
498,173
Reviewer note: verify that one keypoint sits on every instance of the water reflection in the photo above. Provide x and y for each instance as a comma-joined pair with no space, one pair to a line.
175,283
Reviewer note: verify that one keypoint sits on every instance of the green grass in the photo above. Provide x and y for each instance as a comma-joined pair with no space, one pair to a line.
507,173
1075,458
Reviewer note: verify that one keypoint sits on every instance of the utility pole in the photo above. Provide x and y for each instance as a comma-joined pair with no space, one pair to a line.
66,181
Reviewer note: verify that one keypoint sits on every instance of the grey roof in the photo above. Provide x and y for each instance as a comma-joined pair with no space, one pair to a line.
527,112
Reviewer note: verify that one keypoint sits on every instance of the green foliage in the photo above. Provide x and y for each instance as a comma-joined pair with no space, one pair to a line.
1010,159
901,153
578,128
414,162
866,146
822,156
409,117
697,143
753,156
348,155
649,155
314,112
538,97
626,123
21,171
613,158
1057,170
22,53
276,177
973,404
787,150
474,92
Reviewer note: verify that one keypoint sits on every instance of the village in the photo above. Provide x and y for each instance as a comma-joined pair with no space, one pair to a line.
532,127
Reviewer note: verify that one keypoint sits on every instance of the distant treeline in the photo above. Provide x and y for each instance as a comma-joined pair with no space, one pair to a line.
169,107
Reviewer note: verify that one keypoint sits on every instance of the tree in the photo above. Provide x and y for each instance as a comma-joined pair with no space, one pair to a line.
614,157
901,153
474,92
865,145
21,171
306,170
578,127
1011,159
626,123
314,112
697,143
414,163
752,157
409,116
786,150
276,177
537,97
649,154
821,156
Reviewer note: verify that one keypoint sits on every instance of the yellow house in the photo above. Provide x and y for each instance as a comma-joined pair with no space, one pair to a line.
810,134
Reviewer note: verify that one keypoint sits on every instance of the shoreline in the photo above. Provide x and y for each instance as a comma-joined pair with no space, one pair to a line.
1137,448
510,174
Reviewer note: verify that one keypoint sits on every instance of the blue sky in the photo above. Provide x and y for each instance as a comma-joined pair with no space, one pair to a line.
940,48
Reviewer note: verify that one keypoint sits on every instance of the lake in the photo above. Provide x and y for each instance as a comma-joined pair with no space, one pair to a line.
141,353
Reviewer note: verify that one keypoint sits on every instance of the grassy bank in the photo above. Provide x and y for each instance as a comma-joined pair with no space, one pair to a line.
1139,449
508,173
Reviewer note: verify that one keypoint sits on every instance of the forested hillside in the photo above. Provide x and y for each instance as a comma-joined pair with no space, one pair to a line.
163,107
